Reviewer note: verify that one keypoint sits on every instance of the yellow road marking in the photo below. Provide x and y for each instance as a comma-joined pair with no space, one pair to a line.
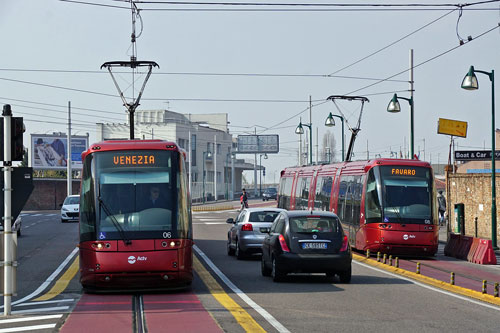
62,283
242,317
431,281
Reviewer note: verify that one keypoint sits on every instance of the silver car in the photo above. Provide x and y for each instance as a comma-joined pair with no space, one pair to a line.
248,230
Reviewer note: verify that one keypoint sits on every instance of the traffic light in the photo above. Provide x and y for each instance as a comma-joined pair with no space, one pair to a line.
264,172
17,138
16,131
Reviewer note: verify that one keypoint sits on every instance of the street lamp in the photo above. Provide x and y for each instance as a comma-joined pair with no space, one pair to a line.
260,172
300,130
395,107
470,83
206,154
330,122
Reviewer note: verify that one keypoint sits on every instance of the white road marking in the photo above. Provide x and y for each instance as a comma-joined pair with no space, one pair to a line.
209,223
18,320
213,219
55,308
270,319
46,302
429,287
27,328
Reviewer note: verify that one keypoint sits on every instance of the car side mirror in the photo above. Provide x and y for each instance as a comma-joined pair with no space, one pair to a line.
230,220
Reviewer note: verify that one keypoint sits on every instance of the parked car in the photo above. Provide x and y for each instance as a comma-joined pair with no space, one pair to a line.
70,209
270,193
248,231
16,227
306,242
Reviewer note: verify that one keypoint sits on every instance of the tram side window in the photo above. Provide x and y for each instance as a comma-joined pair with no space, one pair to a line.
356,199
342,198
323,193
87,213
348,207
183,209
372,201
285,192
302,193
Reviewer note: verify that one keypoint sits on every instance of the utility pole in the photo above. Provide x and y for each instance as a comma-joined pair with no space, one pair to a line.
255,169
7,221
412,107
68,159
215,166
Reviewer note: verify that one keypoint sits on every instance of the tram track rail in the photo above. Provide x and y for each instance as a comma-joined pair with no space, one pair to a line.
139,317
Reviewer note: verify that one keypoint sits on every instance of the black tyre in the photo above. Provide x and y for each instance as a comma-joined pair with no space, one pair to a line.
345,277
330,276
266,271
276,272
240,254
18,232
230,250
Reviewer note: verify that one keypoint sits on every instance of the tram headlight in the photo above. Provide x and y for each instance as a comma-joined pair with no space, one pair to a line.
172,244
99,246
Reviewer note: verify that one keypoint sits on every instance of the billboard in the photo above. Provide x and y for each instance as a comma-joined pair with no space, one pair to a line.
475,155
452,127
258,144
50,151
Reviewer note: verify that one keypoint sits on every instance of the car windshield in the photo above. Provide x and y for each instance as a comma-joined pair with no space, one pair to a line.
271,190
72,201
264,216
310,224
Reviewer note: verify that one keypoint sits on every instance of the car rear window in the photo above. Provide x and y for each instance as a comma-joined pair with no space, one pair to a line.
310,224
265,216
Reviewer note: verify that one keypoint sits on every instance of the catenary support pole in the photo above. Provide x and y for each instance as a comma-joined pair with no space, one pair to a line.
68,159
7,218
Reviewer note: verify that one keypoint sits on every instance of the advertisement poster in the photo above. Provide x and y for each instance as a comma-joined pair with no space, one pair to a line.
51,152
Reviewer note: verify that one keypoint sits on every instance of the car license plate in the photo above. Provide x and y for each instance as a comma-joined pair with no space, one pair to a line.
314,246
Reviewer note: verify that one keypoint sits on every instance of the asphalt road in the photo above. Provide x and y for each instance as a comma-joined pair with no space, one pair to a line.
374,301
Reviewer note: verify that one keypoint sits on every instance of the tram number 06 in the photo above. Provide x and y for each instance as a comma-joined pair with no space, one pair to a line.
167,234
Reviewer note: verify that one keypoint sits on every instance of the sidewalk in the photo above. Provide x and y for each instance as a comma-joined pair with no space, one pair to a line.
229,205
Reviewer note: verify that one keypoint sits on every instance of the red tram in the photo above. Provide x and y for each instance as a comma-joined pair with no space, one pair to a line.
135,216
386,205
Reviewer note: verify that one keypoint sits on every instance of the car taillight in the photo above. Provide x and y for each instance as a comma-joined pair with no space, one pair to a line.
345,244
284,247
247,227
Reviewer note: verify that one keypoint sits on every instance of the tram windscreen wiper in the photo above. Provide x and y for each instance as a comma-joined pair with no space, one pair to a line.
115,222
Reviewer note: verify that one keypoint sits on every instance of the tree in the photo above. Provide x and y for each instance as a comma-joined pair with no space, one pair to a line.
328,152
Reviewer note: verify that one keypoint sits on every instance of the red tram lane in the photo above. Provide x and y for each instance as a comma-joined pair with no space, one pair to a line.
181,312
177,313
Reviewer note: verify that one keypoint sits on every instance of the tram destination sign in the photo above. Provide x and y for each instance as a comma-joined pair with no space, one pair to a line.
475,155
258,144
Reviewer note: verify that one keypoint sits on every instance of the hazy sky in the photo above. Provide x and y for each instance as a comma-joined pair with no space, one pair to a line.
304,47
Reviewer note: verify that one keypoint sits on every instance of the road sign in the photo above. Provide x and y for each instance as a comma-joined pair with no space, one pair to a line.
475,155
22,186
258,144
452,127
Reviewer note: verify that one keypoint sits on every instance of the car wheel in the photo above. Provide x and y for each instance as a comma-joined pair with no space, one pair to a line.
62,221
266,271
276,272
239,253
345,277
230,251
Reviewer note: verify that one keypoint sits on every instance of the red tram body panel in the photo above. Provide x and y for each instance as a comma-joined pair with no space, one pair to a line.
385,205
135,217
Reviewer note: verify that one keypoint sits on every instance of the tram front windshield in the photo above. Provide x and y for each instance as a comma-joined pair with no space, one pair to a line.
136,194
405,192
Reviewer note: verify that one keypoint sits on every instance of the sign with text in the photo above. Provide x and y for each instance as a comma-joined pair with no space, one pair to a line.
258,144
50,151
475,155
452,127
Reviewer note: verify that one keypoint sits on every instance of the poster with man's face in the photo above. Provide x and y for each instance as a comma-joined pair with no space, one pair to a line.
51,152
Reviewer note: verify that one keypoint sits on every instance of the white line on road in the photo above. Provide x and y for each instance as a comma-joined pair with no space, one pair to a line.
270,319
429,287
46,302
18,320
27,328
55,308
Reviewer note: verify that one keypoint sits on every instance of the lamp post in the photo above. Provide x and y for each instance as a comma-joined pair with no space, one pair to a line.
260,172
300,130
394,107
470,83
205,155
330,122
